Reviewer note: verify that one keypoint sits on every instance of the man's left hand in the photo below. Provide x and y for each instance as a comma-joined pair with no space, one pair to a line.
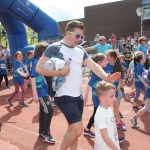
113,77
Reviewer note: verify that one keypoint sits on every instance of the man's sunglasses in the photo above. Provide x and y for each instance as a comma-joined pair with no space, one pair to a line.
100,40
77,35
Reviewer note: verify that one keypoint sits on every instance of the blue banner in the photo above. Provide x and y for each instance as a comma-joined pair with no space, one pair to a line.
24,9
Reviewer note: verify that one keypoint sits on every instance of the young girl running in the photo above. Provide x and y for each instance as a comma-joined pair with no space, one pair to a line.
114,65
3,70
140,82
101,60
146,108
18,78
27,64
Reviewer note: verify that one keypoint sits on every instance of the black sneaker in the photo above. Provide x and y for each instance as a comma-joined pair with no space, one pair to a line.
53,103
23,105
9,102
49,138
121,139
8,87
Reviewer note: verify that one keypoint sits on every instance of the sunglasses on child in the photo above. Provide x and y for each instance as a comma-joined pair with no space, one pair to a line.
77,35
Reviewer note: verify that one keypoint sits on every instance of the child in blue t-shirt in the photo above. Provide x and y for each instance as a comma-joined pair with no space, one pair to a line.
3,70
27,64
140,82
18,78
146,108
101,60
113,66
40,94
124,67
123,63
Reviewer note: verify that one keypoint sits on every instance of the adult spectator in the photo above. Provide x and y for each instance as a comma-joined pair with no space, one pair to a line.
122,40
8,58
113,40
69,98
101,47
143,47
96,39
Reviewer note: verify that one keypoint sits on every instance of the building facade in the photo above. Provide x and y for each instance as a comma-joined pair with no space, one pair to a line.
119,18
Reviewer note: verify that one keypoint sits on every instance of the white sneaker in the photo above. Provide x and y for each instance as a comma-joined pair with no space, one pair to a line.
127,96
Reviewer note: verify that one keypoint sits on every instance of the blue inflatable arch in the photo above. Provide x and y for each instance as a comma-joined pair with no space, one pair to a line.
15,13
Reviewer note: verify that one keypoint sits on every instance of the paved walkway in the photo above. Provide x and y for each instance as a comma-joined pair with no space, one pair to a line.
19,130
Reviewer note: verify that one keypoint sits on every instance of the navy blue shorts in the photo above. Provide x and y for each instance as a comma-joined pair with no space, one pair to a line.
71,107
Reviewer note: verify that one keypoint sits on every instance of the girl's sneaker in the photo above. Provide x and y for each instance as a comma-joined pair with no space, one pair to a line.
134,122
23,105
9,102
127,96
135,108
121,127
89,133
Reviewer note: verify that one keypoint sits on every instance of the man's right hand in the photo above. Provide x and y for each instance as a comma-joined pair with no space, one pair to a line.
65,71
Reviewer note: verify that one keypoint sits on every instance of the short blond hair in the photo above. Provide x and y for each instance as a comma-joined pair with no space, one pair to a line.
103,87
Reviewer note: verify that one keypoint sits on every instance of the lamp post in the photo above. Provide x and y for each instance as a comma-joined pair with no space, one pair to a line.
141,26
139,12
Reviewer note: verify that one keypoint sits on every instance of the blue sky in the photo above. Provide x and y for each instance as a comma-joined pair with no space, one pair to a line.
62,10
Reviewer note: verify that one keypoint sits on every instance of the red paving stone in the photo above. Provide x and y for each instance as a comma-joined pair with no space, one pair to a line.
19,129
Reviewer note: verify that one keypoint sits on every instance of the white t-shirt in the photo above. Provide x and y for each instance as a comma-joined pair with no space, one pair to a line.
104,118
73,84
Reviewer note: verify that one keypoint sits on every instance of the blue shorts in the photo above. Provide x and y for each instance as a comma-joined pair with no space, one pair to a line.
71,107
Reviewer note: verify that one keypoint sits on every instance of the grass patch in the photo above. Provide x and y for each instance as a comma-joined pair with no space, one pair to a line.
29,31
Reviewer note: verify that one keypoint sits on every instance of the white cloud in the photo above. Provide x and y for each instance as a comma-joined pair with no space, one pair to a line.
62,10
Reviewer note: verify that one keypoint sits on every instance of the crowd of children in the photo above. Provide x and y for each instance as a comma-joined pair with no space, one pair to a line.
131,64
24,71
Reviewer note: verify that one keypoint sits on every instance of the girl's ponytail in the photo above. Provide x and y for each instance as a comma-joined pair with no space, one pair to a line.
118,67
28,53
